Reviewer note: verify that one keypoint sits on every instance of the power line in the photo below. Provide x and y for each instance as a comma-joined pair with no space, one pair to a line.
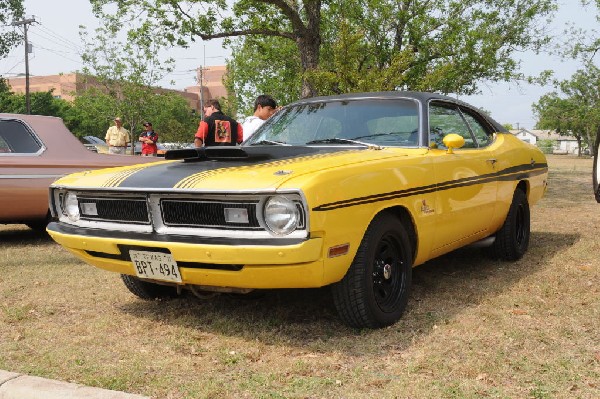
63,39
52,41
58,53
14,66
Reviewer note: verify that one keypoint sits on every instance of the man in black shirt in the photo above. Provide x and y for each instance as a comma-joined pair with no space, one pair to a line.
217,129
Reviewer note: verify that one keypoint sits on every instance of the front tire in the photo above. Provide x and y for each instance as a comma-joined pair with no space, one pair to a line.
512,240
374,292
148,291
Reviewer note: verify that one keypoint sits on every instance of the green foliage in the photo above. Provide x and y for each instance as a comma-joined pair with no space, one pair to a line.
267,65
42,103
447,46
577,111
580,43
10,11
546,145
94,110
440,45
125,73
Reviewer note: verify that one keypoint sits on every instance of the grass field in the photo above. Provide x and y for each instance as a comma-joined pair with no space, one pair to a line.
475,328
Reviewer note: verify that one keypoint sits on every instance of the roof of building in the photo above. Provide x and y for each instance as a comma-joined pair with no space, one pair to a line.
544,134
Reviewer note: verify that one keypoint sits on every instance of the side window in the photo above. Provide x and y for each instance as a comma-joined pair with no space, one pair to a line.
482,134
445,119
4,147
17,139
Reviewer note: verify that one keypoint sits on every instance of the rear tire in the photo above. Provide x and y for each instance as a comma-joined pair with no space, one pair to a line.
148,291
512,240
374,292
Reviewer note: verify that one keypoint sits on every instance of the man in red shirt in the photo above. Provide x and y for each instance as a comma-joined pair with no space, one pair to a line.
217,129
148,139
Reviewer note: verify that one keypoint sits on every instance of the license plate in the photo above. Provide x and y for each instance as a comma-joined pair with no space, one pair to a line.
155,266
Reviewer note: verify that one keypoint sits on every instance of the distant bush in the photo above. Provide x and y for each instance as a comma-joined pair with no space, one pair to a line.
546,145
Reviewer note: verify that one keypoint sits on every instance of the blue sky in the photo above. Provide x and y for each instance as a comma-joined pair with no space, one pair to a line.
57,49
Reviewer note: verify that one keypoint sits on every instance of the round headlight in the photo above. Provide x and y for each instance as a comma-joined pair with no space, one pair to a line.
71,206
281,215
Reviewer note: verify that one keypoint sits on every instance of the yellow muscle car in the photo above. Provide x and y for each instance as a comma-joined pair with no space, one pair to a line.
350,191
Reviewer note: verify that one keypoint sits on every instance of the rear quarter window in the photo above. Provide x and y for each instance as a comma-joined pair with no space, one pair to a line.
16,138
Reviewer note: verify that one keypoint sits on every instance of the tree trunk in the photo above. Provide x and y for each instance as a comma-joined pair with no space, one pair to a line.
309,42
309,56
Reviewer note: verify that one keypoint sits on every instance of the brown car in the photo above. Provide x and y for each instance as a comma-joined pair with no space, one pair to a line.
34,151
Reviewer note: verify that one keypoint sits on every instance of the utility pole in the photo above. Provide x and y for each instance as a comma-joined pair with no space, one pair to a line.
200,80
26,22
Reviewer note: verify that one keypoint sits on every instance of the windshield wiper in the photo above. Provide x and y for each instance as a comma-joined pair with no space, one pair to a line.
337,140
380,134
269,142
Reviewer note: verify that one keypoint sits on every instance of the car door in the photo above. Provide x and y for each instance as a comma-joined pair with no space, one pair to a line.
466,187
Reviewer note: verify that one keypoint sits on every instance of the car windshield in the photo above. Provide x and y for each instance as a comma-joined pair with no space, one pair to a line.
360,122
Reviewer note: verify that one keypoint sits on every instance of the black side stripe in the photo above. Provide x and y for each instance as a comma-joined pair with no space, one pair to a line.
509,174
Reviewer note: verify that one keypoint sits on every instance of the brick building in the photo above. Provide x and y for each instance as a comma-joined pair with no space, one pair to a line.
67,86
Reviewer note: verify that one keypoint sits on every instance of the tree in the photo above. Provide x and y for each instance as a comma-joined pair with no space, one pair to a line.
577,111
10,11
94,110
42,103
126,74
581,43
442,45
263,65
447,46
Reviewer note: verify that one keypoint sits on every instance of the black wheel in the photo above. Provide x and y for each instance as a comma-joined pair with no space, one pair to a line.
39,225
512,240
145,290
374,291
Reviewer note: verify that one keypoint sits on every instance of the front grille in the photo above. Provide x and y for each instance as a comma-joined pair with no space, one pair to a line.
188,213
198,215
124,210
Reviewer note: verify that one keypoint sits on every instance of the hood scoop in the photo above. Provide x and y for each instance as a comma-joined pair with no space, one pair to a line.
210,153
249,154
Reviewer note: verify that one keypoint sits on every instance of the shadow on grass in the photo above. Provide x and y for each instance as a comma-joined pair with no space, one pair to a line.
442,288
21,235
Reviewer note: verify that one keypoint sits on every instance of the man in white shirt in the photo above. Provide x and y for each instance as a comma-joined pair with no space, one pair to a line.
117,138
264,107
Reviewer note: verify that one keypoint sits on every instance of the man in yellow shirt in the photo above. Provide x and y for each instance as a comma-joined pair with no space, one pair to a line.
117,138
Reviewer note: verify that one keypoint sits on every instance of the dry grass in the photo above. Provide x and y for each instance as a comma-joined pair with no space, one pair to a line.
475,328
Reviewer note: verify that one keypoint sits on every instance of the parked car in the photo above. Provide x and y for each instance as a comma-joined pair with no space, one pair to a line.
350,191
160,152
596,170
95,144
35,151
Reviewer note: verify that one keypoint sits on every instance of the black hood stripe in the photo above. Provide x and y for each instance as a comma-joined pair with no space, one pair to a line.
187,174
514,173
118,178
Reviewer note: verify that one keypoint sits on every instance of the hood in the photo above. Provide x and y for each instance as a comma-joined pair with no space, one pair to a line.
227,169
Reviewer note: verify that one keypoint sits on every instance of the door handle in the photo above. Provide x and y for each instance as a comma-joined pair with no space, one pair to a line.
492,161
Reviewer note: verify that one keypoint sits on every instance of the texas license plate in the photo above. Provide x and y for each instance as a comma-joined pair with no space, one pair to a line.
155,266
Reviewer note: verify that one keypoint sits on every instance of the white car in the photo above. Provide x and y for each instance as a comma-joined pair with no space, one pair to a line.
596,171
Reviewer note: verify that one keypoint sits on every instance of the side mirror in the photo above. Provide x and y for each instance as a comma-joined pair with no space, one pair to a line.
452,141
